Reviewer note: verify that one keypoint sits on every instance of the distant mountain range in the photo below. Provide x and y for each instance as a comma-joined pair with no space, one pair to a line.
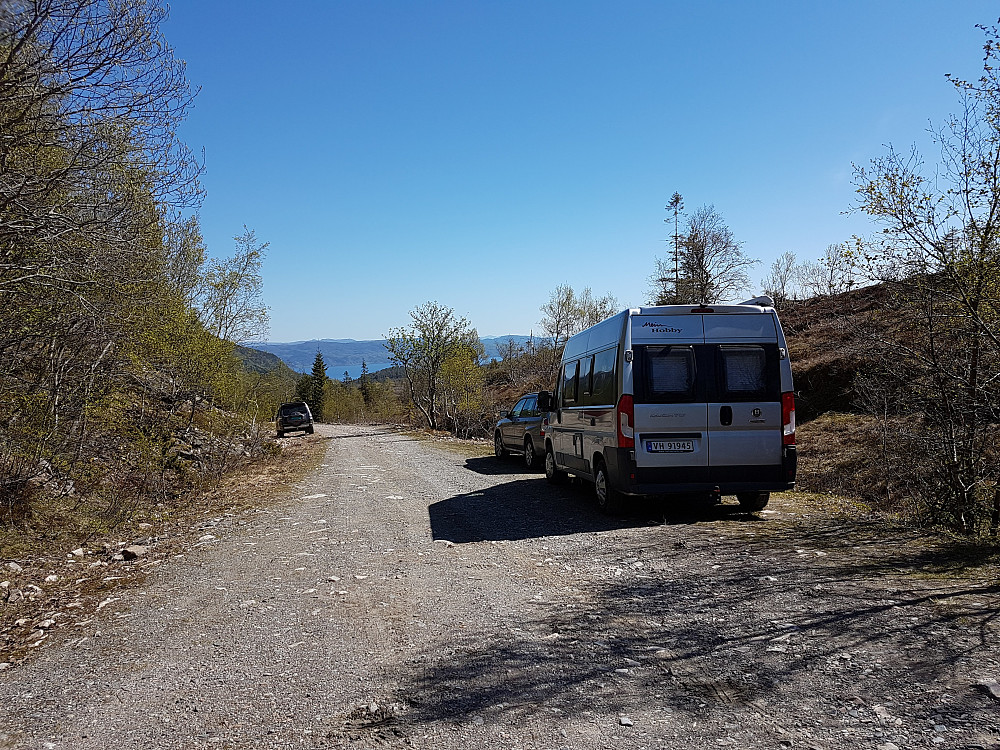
346,355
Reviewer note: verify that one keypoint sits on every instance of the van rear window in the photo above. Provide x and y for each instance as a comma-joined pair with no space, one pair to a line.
744,371
669,373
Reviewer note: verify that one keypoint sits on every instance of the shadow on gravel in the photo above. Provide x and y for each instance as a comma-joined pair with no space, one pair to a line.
519,509
718,629
532,508
865,548
491,466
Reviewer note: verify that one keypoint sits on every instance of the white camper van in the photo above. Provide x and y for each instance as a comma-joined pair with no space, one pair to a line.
677,399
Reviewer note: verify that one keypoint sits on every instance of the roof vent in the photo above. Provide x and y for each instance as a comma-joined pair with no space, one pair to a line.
762,301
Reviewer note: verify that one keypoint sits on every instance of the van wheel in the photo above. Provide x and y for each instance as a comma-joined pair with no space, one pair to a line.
609,499
753,500
499,449
309,430
552,474
281,433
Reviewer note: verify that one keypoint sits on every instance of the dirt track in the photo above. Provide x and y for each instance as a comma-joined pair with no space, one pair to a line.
410,596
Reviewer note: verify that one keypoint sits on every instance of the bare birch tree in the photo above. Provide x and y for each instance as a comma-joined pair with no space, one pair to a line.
714,267
940,251
780,282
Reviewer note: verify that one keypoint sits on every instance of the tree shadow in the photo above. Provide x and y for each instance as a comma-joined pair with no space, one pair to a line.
596,659
772,620
345,437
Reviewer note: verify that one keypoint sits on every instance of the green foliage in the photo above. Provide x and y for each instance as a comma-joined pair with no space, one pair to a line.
231,299
422,348
935,382
347,403
365,384
317,388
116,336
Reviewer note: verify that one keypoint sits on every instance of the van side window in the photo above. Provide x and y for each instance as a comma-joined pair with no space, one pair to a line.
586,378
669,373
603,390
743,371
570,382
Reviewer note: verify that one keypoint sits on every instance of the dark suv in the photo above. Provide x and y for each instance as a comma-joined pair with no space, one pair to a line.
519,431
294,416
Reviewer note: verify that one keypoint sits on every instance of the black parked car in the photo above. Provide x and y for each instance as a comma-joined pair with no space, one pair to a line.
294,416
520,431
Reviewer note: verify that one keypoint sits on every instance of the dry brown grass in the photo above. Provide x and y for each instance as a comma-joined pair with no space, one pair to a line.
475,448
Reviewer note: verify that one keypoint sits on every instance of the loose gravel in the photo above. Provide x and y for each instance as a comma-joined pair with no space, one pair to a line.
409,596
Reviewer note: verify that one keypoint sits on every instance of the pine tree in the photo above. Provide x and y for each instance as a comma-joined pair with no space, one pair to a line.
316,400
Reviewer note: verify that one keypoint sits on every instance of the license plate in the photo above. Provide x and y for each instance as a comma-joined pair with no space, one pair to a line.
669,446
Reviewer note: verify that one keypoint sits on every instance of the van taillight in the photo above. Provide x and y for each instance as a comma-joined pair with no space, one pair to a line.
626,421
788,419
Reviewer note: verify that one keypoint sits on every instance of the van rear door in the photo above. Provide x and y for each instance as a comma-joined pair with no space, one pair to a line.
744,416
671,410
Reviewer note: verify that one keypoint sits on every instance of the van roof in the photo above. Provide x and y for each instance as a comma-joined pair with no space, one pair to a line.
742,309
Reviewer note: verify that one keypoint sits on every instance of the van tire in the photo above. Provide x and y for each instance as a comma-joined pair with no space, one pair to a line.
529,455
552,473
281,433
499,449
309,430
609,500
753,501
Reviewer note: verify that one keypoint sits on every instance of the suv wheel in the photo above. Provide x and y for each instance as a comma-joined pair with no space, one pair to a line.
529,454
499,449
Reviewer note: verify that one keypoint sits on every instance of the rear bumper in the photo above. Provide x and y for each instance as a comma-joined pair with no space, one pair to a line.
629,479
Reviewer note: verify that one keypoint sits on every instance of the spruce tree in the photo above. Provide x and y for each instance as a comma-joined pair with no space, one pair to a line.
316,400
366,385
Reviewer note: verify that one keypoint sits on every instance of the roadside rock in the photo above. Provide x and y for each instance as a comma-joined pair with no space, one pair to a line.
135,551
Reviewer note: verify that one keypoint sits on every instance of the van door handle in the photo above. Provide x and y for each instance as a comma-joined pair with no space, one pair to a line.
726,415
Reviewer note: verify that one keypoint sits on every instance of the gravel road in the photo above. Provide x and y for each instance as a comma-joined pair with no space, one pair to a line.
406,595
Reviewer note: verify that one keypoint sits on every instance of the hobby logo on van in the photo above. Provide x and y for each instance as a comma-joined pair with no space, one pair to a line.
660,328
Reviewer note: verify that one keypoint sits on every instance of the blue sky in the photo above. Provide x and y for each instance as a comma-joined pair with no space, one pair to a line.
480,153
